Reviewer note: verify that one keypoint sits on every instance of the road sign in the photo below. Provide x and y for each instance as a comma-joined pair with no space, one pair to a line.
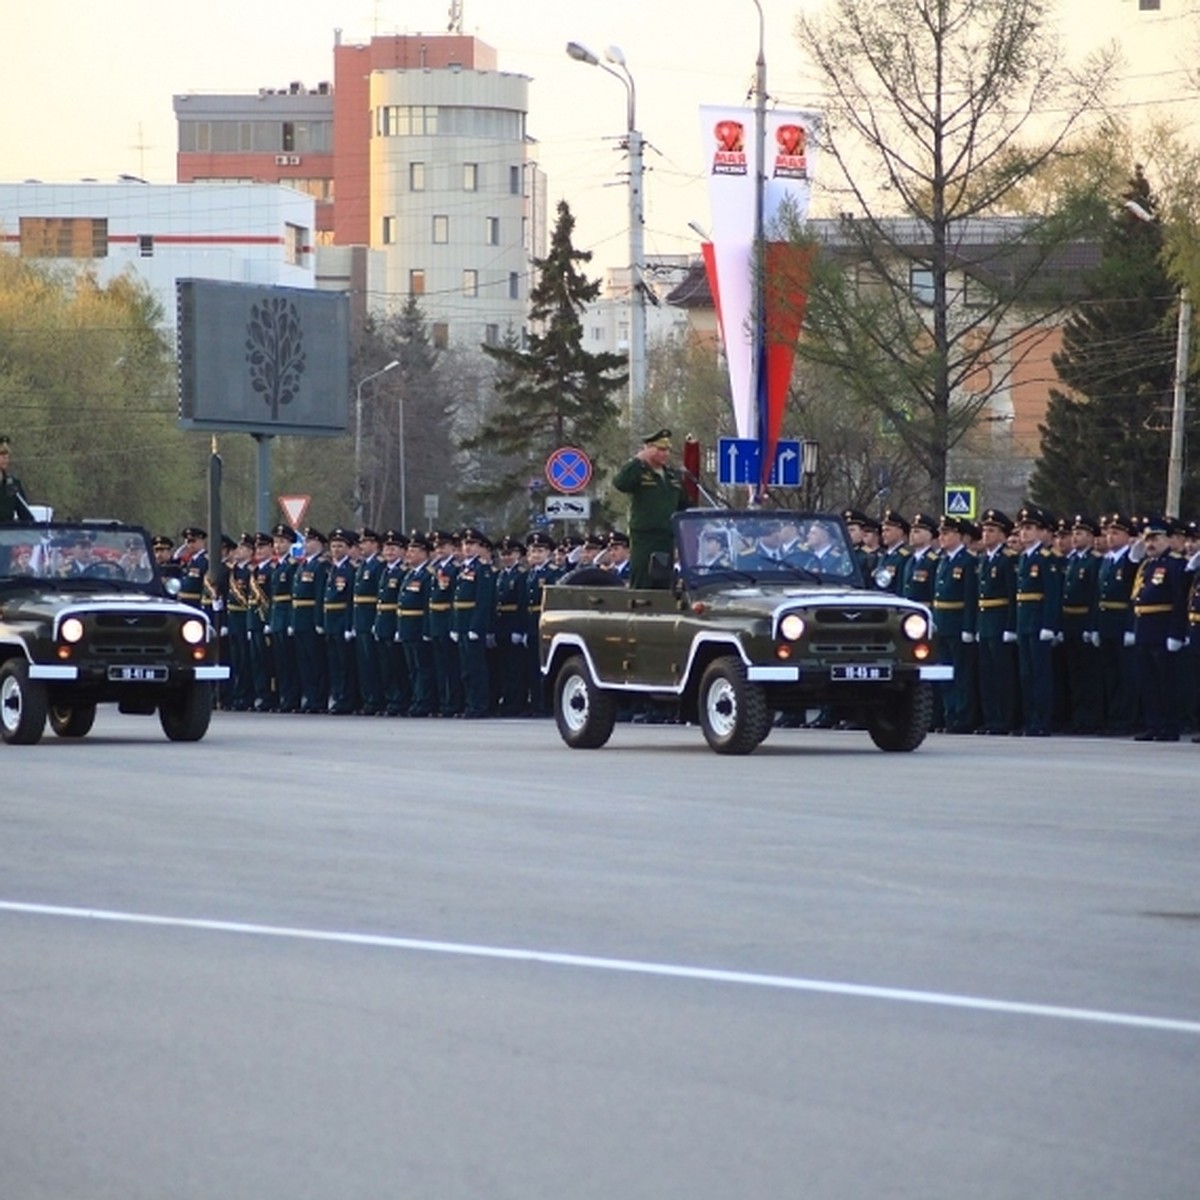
739,460
568,470
568,508
431,505
960,501
294,508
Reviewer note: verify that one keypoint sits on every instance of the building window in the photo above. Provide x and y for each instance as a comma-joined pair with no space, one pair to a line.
145,245
64,237
441,230
492,231
597,333
389,231
295,243
514,181
491,335
470,284
470,177
440,332
514,286
416,282
416,176
920,284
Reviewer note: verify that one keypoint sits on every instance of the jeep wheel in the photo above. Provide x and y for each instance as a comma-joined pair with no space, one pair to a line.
186,716
903,723
23,704
733,712
584,713
73,722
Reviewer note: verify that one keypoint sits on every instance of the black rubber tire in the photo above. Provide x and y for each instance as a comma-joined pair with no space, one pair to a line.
186,717
585,714
73,722
902,725
23,704
733,712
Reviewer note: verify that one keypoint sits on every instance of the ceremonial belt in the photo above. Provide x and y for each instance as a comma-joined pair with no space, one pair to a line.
304,603
1194,618
239,608
1114,604
281,598
366,599
1023,596
951,605
999,602
336,607
412,612
439,607
1148,610
464,604
1076,610
507,607
538,608
388,607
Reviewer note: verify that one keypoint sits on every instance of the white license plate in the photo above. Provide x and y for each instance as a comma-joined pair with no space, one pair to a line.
137,674
853,673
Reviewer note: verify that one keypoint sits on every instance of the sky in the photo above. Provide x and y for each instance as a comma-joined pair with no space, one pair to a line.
87,85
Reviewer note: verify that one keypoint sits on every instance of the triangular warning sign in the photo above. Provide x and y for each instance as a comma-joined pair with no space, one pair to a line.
294,508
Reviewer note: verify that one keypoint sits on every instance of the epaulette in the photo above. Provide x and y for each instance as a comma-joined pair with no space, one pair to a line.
1009,552
1046,552
904,551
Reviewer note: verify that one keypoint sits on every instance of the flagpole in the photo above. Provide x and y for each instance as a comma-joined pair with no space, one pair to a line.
758,257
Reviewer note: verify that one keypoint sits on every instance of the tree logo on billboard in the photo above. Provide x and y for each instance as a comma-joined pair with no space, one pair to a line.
275,352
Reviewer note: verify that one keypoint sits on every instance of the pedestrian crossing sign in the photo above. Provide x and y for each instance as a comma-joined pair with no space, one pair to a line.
960,501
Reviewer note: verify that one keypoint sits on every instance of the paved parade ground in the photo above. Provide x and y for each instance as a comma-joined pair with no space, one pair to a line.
454,960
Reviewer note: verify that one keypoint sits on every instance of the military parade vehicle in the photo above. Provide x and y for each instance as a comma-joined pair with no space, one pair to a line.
85,619
760,613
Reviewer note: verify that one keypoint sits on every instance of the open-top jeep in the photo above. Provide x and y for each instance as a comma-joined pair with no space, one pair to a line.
85,619
763,612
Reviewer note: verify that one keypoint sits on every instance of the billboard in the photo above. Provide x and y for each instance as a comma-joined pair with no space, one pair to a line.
263,360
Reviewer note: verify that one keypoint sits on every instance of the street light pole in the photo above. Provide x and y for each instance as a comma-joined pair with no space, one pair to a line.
358,421
758,317
635,144
403,485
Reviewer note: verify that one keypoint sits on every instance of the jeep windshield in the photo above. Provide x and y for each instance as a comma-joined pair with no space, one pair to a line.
764,548
82,556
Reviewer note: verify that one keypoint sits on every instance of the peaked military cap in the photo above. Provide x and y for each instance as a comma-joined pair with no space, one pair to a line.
852,516
998,519
1119,520
262,539
1035,514
925,521
162,542
660,438
512,545
618,538
315,535
392,537
471,534
343,535
247,540
595,541
1155,523
892,517
283,531
5,441
954,524
443,537
539,538
366,534
227,543
1081,521
193,533
419,538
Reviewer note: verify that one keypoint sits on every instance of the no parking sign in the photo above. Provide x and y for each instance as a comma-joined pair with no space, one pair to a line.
568,470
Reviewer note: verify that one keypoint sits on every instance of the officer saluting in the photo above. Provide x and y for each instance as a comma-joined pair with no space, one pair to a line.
13,505
656,493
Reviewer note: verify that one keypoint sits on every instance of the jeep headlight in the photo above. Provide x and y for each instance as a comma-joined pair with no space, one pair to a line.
916,627
192,632
71,630
792,627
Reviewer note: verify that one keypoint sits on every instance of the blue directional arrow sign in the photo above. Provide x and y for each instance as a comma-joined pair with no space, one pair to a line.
739,460
785,471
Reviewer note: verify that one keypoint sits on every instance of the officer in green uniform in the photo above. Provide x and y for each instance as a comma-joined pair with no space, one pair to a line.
1081,627
279,622
996,625
13,506
656,493
893,558
308,622
1039,616
367,650
385,631
337,612
955,605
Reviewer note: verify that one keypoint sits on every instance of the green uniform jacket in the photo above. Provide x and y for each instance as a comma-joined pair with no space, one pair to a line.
654,497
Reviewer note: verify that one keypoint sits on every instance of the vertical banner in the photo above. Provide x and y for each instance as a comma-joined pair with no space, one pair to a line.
728,135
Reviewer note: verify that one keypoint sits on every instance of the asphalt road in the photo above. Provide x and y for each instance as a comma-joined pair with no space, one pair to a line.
319,957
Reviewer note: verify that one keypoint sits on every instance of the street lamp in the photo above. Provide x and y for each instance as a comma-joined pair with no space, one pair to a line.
358,414
810,454
403,484
637,293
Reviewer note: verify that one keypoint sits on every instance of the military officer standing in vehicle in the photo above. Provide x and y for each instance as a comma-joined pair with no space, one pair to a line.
955,602
996,625
366,596
193,566
1039,611
656,493
13,505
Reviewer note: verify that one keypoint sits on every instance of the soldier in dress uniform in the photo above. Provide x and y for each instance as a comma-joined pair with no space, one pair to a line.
1160,625
339,623
415,591
617,559
164,559
1039,612
261,666
921,567
308,623
512,602
279,625
474,604
656,493
237,607
447,672
1081,627
193,565
386,630
1114,620
955,603
893,560
366,597
539,548
996,624
857,524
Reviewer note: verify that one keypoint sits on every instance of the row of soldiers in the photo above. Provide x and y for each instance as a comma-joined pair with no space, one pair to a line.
1077,625
399,624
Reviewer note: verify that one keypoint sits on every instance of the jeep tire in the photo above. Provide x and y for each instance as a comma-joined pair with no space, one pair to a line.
23,704
584,713
72,721
733,712
186,716
904,720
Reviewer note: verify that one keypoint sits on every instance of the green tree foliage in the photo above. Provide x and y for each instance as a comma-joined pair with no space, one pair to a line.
552,393
932,106
1105,442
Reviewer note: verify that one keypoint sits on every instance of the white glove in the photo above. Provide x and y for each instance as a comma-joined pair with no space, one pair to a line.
224,630
454,635
518,639
291,631
1174,645
967,638
1058,639
320,628
1127,639
349,635
1009,637
424,638
472,636
1046,635
218,605
1092,638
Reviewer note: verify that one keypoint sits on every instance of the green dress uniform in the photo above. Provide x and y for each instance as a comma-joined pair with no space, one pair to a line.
955,603
421,699
440,624
654,497
1118,662
339,632
308,596
1160,626
1081,659
1039,614
367,650
996,631
282,635
512,601
474,607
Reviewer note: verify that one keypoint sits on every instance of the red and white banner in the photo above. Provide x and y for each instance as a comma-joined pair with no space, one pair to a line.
729,154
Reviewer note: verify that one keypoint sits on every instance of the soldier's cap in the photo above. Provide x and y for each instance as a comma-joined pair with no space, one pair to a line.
594,541
998,519
193,533
853,516
343,535
1035,514
262,539
572,541
419,538
925,521
1082,521
315,535
471,534
366,534
248,540
5,441
393,537
660,438
1155,523
1192,529
952,524
162,542
971,530
539,538
443,537
227,543
1118,520
892,517
510,544
618,537
283,531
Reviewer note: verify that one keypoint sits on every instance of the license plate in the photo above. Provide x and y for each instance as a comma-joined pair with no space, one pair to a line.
137,674
853,673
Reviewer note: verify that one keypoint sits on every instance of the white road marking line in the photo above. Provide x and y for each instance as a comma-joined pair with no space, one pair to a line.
627,966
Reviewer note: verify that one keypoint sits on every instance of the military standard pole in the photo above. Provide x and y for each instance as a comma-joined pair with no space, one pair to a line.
1179,407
